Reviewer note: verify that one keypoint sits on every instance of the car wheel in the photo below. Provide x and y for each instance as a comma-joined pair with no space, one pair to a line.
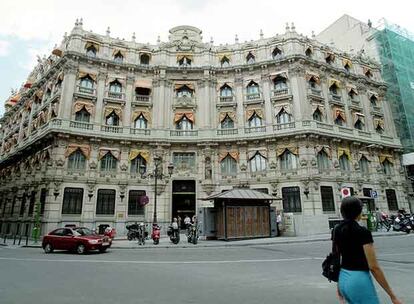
102,249
80,249
48,248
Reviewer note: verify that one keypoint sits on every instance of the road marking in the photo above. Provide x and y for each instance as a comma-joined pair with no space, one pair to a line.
162,262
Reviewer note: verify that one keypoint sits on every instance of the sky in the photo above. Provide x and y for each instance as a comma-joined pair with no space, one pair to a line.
29,28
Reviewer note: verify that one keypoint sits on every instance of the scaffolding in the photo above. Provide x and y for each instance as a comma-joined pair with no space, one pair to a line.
396,51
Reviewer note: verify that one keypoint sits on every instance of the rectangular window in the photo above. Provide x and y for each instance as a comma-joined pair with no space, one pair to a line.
291,199
367,192
184,160
134,206
12,206
32,202
391,199
328,202
105,204
43,194
72,201
23,204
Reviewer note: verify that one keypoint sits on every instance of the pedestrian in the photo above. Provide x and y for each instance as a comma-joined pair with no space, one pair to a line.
194,219
278,222
187,221
355,245
179,221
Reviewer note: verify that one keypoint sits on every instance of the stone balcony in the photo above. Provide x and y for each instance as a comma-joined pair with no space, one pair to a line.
281,94
89,93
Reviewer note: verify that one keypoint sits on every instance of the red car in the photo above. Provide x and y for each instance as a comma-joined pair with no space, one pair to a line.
79,239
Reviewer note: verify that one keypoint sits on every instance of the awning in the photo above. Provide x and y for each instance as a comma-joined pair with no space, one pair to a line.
115,153
292,149
346,61
222,55
242,194
112,78
384,157
228,83
283,74
79,105
326,149
186,55
84,74
251,112
232,154
85,149
109,110
223,115
314,76
252,153
339,113
358,116
116,51
134,153
379,122
179,84
146,114
179,115
344,151
333,81
366,70
90,43
365,154
350,87
320,107
143,83
286,107
330,54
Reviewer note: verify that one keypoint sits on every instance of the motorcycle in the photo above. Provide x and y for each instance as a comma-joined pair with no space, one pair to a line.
132,232
192,234
174,235
155,235
401,223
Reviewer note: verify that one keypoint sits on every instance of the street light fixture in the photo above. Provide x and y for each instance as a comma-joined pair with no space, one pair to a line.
156,174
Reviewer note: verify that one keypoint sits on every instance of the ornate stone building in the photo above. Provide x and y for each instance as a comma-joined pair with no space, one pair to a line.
286,115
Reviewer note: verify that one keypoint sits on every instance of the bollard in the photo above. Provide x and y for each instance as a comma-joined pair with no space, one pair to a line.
27,240
20,239
14,239
5,238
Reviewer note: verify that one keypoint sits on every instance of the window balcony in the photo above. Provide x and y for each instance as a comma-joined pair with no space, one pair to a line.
315,92
325,126
280,92
227,132
226,98
345,130
252,96
115,95
142,98
81,125
112,129
140,131
87,91
283,126
255,129
335,99
183,133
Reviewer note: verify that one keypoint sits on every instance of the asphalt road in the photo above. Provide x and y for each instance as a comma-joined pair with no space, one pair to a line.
280,273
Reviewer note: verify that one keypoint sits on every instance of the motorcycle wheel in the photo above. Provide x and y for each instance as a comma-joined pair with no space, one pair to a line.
129,238
156,241
408,231
194,240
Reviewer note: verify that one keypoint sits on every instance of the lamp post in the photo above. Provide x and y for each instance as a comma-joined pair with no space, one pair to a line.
157,174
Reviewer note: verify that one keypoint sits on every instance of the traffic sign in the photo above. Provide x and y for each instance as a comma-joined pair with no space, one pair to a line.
374,194
345,192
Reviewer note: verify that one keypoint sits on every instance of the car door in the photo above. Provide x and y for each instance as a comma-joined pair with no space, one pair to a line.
55,238
68,239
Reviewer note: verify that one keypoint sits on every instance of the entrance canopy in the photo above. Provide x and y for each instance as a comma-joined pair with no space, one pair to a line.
241,194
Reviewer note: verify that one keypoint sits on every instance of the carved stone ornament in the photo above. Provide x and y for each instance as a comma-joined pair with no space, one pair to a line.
303,162
336,164
243,167
124,167
92,165
60,162
314,162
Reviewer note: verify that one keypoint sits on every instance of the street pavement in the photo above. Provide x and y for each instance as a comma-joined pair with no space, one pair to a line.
254,273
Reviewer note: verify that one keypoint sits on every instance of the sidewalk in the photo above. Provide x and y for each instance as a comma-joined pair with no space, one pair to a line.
122,243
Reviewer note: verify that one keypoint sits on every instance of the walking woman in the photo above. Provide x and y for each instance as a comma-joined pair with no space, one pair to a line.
358,259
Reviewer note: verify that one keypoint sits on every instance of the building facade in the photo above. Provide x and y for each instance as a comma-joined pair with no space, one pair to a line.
286,115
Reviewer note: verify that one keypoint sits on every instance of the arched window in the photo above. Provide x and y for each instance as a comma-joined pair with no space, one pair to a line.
352,94
184,124
252,88
184,61
228,166
184,91
257,163
77,161
108,162
227,123
379,129
255,121
374,100
48,94
363,164
344,163
144,59
115,87
339,120
225,62
333,89
329,59
288,161
277,53
82,115
368,73
347,67
250,58
136,164
140,122
387,167
280,83
112,119
323,160
226,91
317,115
359,124
283,117
86,82
118,57
91,51
308,52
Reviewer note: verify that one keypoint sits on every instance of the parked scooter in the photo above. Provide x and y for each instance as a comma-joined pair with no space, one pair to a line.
155,235
401,223
132,232
192,233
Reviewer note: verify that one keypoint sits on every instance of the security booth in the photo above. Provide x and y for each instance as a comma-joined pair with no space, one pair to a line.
368,212
242,214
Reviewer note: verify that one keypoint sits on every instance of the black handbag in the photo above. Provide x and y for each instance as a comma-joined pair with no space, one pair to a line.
332,264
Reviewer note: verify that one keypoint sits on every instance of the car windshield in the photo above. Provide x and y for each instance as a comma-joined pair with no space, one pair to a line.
84,231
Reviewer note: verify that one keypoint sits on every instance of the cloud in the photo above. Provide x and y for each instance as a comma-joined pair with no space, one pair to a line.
4,48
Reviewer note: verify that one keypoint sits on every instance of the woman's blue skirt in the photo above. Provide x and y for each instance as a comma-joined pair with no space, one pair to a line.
357,287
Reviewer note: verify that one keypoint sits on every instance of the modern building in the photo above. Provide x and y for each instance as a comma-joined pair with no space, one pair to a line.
286,115
393,47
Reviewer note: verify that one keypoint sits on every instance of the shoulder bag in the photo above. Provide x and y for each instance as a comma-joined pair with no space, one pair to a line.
332,264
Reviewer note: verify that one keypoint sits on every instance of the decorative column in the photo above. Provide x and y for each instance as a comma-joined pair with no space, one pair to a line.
68,88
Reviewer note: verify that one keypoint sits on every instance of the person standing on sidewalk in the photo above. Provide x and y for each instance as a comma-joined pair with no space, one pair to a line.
278,222
358,259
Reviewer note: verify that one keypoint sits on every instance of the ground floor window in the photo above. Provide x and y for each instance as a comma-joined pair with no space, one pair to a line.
134,199
32,202
327,197
72,201
291,199
105,204
391,199
43,194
